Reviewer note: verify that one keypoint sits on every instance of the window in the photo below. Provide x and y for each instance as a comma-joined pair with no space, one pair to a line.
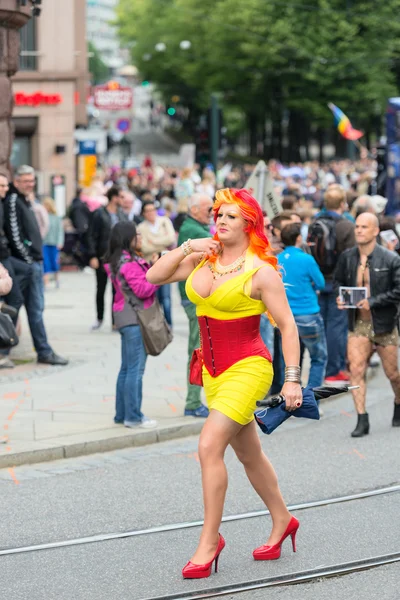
27,62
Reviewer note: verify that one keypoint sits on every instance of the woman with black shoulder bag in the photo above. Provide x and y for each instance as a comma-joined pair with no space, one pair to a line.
135,308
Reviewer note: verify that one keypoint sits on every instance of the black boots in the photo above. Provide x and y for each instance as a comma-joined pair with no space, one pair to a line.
362,427
396,416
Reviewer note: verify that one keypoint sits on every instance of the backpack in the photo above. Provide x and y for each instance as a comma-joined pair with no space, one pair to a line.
322,242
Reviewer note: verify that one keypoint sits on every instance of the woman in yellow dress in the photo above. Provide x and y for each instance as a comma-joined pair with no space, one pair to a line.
233,279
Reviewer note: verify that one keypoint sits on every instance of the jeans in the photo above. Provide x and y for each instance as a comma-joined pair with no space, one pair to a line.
101,279
130,378
164,298
312,334
336,328
267,333
20,272
193,397
34,305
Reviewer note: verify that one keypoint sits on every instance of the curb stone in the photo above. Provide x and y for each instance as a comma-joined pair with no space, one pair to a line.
73,449
82,448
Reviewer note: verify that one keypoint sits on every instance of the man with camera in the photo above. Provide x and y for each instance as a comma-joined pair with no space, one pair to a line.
373,324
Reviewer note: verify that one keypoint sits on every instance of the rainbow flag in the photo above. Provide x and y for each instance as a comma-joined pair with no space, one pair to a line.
343,124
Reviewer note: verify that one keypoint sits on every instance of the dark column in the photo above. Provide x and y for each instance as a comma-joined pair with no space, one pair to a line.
12,18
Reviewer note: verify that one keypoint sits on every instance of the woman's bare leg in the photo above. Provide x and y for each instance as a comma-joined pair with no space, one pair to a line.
262,477
215,437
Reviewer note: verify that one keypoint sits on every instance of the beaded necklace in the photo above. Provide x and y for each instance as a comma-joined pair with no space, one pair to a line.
219,270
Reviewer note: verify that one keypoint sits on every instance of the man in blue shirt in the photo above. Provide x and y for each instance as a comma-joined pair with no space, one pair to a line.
302,278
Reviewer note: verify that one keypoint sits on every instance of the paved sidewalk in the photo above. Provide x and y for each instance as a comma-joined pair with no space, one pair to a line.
49,413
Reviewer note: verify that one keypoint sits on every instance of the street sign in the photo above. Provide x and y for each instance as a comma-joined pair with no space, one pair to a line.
124,125
261,186
111,97
87,147
87,166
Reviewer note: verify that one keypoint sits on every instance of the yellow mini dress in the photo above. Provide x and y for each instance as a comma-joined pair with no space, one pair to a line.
235,391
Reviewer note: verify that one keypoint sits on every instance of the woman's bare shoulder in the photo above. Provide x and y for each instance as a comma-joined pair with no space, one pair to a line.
266,272
259,262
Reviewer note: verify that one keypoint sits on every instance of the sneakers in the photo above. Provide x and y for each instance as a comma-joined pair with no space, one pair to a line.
202,412
341,377
6,363
148,423
96,325
145,423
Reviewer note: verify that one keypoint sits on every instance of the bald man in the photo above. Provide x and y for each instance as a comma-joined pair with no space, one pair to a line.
373,324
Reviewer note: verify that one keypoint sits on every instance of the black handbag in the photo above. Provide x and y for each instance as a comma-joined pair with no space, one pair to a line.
8,334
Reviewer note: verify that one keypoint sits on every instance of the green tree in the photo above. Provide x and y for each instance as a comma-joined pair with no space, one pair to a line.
97,67
270,59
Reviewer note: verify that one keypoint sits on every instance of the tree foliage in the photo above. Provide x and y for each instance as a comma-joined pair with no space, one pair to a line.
97,67
267,58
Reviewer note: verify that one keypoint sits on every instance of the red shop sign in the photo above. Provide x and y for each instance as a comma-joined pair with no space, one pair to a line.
107,97
36,99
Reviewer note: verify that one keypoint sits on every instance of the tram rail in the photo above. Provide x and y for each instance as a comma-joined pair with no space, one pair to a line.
190,524
307,576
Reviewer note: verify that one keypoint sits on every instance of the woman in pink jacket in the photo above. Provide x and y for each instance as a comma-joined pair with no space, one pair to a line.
127,271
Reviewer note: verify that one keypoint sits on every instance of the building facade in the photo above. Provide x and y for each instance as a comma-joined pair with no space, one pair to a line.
50,92
100,31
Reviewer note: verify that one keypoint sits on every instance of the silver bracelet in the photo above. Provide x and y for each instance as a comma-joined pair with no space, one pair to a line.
294,380
293,374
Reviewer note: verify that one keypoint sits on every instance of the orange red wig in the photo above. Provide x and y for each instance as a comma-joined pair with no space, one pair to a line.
252,214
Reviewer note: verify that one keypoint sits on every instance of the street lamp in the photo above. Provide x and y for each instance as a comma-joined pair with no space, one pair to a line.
185,45
160,47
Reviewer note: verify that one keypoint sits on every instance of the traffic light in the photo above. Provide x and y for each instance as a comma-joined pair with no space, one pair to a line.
202,141
171,111
203,137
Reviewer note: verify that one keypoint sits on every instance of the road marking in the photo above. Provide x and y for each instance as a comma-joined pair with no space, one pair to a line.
358,453
13,476
108,398
343,412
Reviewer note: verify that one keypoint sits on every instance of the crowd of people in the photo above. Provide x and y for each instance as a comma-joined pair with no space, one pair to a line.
323,211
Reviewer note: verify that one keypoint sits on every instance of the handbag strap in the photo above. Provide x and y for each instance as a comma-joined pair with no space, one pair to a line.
127,292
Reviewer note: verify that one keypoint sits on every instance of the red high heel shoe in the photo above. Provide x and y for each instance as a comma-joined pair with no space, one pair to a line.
273,552
192,571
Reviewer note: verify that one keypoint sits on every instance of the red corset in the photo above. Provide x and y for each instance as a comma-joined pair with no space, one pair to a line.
224,343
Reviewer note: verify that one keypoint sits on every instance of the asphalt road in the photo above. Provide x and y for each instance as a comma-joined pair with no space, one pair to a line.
156,485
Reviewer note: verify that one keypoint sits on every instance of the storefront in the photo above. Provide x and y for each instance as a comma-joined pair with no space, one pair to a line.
44,124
